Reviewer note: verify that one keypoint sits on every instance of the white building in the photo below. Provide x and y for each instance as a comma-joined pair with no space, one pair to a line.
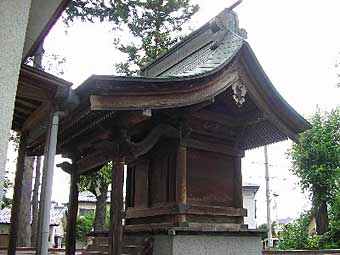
249,203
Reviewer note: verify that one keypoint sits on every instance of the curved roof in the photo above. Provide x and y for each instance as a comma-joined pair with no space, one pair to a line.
213,63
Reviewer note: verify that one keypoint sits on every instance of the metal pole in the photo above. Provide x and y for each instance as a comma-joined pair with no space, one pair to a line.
46,194
269,223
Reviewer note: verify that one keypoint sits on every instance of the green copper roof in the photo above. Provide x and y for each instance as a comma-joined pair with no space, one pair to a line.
206,59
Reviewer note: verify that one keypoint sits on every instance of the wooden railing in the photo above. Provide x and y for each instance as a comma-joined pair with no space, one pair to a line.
301,252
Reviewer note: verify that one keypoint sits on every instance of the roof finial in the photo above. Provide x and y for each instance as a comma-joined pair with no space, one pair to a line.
235,5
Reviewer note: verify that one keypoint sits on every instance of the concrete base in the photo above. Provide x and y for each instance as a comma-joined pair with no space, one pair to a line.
207,244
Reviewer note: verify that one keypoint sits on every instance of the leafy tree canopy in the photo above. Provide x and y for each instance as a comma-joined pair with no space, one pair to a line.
97,180
154,25
316,161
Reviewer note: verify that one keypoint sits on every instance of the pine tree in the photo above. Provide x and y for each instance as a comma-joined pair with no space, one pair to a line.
153,25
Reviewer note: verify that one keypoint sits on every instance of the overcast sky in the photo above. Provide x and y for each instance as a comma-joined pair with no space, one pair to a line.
297,44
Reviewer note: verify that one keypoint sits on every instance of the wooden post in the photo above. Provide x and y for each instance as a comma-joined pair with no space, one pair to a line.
35,202
238,197
181,180
116,211
71,231
17,194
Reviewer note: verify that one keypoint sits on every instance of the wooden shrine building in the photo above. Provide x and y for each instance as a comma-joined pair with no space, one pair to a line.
181,128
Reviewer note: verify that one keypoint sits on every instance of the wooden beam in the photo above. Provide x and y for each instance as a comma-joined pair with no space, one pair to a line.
131,119
181,181
32,93
194,209
71,230
23,110
92,161
36,116
20,116
208,146
164,95
26,103
17,194
116,210
219,118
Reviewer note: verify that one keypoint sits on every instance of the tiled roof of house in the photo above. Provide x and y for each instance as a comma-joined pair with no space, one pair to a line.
87,196
56,215
5,216
250,186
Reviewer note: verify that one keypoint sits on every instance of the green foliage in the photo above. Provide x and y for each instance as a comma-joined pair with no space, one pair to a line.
96,181
84,225
295,235
90,10
6,202
331,239
264,227
154,25
316,160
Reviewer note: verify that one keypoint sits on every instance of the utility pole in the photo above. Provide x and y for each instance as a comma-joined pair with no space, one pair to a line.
269,223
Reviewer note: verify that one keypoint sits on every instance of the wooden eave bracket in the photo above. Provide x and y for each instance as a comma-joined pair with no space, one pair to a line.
128,150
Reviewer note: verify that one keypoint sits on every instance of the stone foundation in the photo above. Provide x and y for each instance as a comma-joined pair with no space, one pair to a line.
236,243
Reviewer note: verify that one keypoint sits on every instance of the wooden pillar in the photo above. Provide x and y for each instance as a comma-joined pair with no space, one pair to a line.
17,194
116,211
35,202
181,181
238,196
71,231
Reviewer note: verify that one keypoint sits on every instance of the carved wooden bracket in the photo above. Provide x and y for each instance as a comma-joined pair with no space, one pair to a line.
240,91
122,148
138,149
66,167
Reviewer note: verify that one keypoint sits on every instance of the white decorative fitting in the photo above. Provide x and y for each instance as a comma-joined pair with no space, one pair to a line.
240,91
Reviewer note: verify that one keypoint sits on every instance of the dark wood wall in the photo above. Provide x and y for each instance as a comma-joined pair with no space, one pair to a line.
213,187
151,179
210,178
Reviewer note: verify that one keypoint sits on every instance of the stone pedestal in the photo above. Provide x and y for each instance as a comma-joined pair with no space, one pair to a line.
208,243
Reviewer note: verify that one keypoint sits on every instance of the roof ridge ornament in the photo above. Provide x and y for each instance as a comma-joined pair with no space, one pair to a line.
226,21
